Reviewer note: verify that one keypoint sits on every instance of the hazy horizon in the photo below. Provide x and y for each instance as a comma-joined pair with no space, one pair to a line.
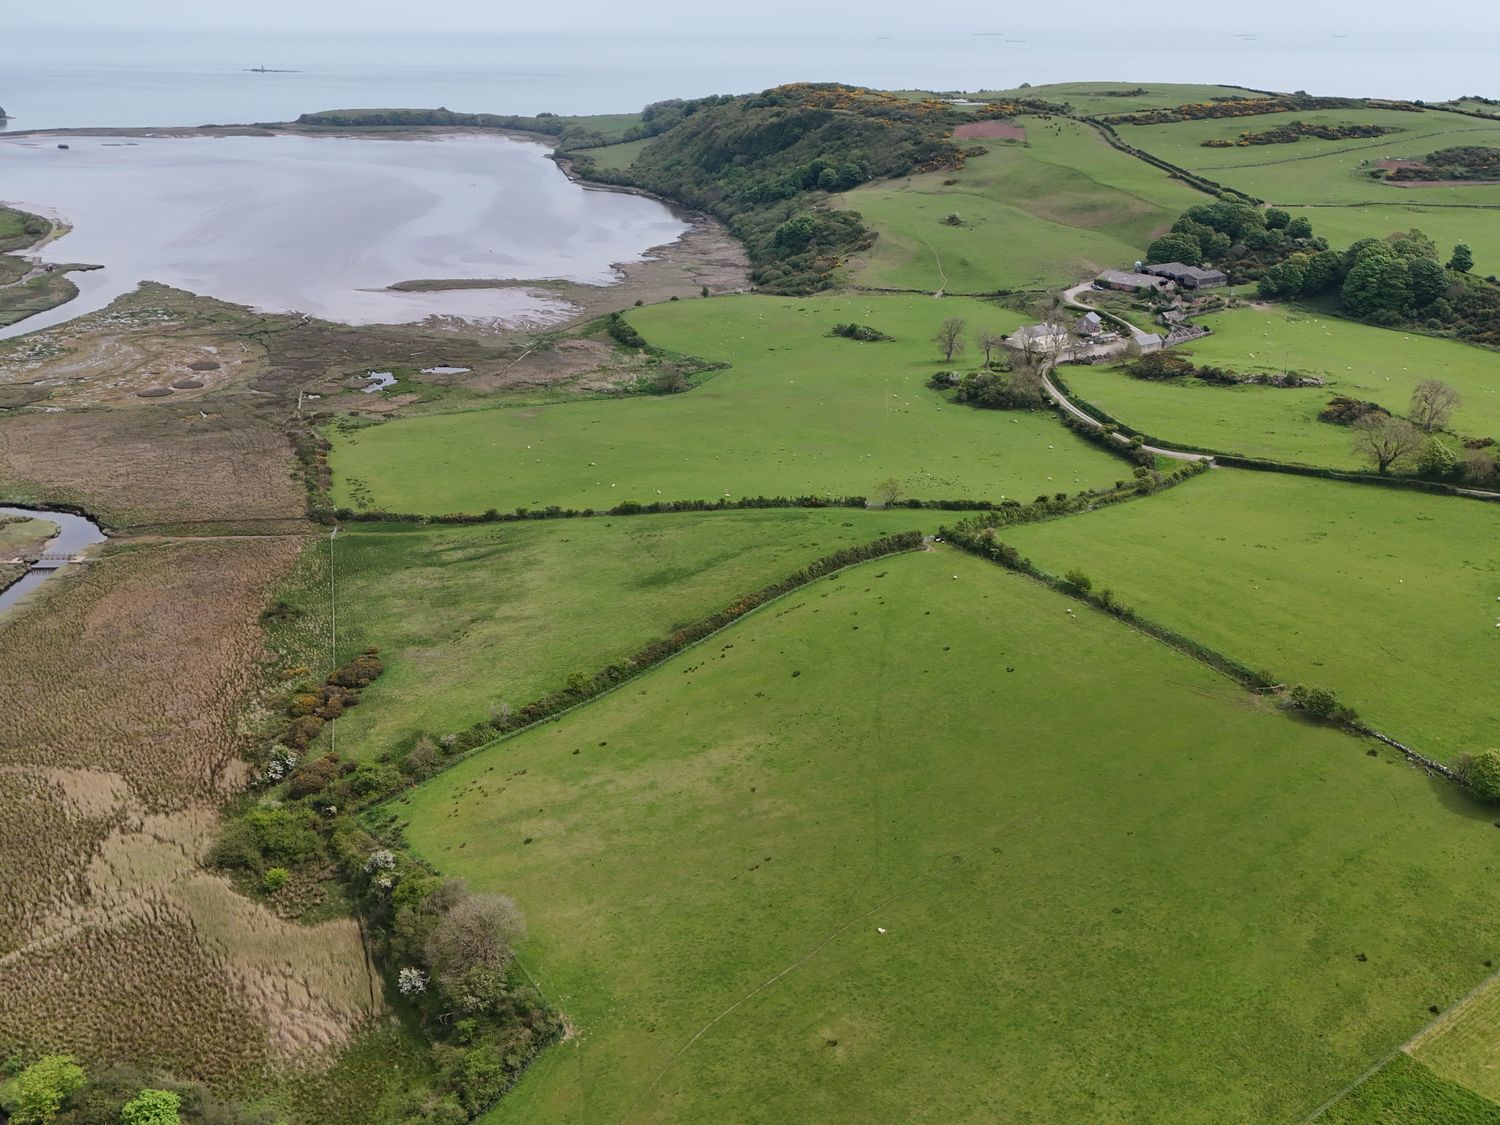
82,76
789,17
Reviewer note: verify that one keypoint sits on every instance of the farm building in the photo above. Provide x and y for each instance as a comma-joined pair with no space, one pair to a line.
1090,324
1189,277
1130,281
1039,338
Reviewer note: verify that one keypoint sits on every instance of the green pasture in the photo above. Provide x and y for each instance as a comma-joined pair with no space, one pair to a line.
1045,212
1097,99
621,155
1464,1046
1329,178
1387,598
1404,1092
797,412
1377,364
16,533
918,843
473,618
609,125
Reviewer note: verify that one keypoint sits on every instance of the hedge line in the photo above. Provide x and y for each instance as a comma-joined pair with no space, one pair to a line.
582,688
1010,513
1262,464
1192,179
658,507
554,512
981,541
1441,488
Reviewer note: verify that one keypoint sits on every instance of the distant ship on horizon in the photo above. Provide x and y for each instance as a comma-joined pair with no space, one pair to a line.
269,70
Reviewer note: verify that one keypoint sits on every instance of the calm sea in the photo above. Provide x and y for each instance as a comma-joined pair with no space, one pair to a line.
83,79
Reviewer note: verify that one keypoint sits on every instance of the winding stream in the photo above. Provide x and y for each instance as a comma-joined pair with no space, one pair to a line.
74,534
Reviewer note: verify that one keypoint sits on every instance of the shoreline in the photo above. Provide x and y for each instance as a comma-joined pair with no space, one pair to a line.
703,256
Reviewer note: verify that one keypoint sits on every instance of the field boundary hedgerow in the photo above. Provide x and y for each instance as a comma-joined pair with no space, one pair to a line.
977,543
356,819
586,689
1266,464
1192,179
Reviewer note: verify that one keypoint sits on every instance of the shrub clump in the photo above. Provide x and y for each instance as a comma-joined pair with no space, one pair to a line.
862,332
1345,411
1481,773
1323,705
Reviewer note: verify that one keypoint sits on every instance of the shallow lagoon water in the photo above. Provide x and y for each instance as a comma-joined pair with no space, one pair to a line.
74,534
323,224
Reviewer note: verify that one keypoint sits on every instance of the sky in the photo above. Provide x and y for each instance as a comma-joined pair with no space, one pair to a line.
783,17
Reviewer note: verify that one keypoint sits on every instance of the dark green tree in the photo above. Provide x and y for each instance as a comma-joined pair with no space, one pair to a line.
1413,245
1175,248
1463,258
1286,279
1379,283
1299,227
1277,219
1429,281
1324,270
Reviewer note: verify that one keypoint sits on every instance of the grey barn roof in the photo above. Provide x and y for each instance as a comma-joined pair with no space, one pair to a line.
1129,279
1178,271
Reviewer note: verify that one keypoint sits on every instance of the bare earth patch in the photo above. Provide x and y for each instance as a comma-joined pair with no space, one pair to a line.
992,130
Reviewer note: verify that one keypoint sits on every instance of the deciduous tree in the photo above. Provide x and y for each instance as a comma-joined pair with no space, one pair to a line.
1387,442
44,1087
950,337
1175,248
152,1107
1429,281
990,342
1432,404
1462,260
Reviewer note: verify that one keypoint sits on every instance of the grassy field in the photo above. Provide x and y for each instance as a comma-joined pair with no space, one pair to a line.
47,291
469,618
1099,98
852,861
20,533
621,155
1048,211
1328,177
1464,1046
798,412
19,230
1404,1092
1387,598
1358,360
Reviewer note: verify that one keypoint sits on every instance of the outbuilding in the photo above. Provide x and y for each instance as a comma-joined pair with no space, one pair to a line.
1189,277
1131,281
